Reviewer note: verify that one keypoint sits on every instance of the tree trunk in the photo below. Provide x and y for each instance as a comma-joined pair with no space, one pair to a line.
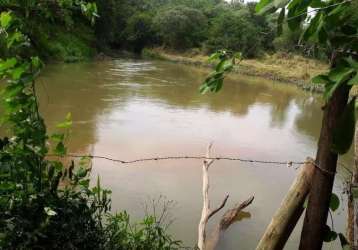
291,209
318,204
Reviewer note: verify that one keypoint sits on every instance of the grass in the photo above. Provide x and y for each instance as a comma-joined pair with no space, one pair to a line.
282,67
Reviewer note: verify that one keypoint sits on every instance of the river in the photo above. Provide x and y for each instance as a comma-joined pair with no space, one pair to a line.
129,109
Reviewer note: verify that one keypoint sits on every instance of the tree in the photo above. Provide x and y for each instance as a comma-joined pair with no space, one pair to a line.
333,26
181,27
236,31
139,31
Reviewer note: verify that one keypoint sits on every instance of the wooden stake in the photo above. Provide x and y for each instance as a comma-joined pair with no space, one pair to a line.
353,199
286,217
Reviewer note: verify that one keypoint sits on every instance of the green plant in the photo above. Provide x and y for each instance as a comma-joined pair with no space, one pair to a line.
181,27
37,212
148,234
234,30
335,28
45,203
226,61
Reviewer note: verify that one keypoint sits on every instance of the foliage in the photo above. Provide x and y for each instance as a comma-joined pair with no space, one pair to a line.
139,31
46,204
237,30
50,27
181,27
148,234
184,24
334,27
226,61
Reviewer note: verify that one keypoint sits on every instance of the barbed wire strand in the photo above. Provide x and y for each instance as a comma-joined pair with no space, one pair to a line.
186,157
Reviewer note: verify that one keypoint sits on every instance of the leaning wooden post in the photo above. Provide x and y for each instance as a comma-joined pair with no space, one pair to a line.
353,199
286,217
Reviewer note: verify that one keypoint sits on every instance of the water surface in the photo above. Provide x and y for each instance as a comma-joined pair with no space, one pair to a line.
131,109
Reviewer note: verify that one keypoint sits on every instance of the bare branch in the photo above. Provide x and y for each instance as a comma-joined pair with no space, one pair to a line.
213,212
230,215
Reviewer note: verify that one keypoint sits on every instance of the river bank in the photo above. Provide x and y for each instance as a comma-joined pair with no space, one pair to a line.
286,68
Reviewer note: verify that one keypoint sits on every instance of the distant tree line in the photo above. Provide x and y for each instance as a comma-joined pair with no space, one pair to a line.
203,25
208,25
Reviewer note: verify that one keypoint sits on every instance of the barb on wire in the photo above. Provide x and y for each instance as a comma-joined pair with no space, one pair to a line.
194,157
161,158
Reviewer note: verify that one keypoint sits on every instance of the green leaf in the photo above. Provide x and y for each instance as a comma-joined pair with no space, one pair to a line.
67,123
343,134
312,28
5,19
317,4
351,62
8,64
69,117
320,79
305,204
354,79
337,76
58,137
18,71
60,149
280,19
214,56
334,202
36,62
280,3
260,6
238,56
329,89
329,235
82,172
293,20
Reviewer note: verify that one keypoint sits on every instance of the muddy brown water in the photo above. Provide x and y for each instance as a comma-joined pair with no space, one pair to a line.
129,109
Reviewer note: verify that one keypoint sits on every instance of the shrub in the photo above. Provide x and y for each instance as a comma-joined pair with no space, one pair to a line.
233,30
139,31
181,27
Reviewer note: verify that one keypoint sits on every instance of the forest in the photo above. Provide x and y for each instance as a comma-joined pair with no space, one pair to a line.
204,25
49,198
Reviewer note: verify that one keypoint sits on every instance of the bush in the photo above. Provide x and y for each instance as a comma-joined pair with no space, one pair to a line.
139,31
233,30
181,27
45,204
148,234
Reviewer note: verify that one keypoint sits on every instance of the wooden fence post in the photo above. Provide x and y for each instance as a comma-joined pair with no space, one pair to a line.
286,217
353,200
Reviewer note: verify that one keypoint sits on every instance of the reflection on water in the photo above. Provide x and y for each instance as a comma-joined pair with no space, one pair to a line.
132,109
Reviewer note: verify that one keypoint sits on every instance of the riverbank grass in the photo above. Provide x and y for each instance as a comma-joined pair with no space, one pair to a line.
282,67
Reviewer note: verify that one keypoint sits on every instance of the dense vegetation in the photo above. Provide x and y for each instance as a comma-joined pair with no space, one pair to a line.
203,25
334,29
206,25
47,202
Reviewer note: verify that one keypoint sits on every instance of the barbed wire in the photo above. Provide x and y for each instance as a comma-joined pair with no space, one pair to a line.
195,157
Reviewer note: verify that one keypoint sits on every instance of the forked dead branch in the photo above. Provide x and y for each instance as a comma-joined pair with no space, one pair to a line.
228,218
